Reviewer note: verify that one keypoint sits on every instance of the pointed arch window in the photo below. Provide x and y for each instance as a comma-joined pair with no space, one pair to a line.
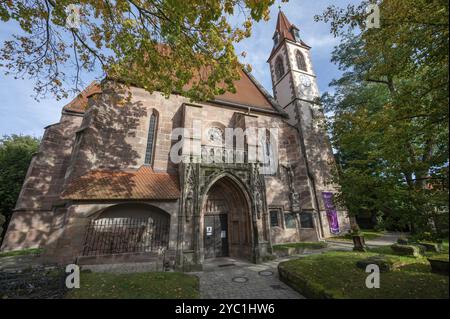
151,138
269,145
301,63
279,68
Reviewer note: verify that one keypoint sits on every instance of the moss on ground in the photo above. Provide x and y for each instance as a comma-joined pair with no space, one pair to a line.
369,234
150,285
335,275
310,245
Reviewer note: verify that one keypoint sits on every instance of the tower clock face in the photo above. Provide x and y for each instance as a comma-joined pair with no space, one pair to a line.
305,81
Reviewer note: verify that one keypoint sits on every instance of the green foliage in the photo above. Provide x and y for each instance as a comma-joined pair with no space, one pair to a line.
335,275
390,113
15,156
433,247
157,285
425,236
439,264
158,45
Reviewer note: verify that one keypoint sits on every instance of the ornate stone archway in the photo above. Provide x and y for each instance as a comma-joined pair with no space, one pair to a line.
226,226
244,183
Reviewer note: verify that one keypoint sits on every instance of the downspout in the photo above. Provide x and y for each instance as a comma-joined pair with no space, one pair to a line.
308,171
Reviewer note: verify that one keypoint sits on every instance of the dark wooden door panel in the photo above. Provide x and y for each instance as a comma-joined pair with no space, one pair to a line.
216,236
209,237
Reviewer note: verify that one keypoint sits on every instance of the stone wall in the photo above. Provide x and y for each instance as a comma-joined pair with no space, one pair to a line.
32,222
67,244
112,135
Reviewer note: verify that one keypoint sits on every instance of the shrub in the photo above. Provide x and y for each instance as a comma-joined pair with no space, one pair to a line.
439,264
406,250
425,236
433,247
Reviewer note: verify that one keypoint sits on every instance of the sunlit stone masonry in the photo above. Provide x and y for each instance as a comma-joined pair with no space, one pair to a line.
115,181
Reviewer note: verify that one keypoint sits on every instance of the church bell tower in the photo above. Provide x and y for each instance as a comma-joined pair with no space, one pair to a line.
296,91
292,72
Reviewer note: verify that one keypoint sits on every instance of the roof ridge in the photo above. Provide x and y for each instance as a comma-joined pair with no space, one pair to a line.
267,95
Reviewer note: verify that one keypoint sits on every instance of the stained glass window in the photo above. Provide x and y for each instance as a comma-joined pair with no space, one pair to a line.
151,139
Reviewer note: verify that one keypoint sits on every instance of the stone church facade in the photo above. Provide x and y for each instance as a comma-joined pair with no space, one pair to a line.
104,187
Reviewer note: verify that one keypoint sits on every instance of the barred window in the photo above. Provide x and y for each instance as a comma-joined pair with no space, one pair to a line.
279,68
151,138
301,63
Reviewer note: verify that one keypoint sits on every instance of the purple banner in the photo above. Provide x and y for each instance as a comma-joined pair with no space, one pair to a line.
331,212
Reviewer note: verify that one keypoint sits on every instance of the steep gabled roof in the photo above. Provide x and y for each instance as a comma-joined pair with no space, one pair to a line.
284,30
248,93
284,27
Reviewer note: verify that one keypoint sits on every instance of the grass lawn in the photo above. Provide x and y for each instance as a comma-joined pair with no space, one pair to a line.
22,252
369,234
335,275
151,285
312,245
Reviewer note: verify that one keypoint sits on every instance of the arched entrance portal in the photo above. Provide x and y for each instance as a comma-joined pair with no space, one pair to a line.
226,221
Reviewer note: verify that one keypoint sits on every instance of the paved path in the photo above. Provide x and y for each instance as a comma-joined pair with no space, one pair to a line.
228,278
386,239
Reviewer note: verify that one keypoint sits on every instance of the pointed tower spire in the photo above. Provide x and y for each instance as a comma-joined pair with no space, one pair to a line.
285,30
284,27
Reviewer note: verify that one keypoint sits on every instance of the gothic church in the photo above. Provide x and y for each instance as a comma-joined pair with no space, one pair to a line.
103,189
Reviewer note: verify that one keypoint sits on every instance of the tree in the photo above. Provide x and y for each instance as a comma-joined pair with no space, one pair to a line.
165,45
390,110
15,157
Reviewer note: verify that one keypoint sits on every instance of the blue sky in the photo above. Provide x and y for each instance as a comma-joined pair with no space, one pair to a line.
20,113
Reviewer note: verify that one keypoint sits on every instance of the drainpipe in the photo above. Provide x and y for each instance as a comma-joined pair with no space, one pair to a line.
308,171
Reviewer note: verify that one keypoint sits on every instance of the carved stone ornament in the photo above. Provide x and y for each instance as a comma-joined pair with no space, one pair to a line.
190,183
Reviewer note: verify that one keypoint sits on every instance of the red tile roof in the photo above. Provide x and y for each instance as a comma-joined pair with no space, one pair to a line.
143,183
79,103
247,93
284,29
